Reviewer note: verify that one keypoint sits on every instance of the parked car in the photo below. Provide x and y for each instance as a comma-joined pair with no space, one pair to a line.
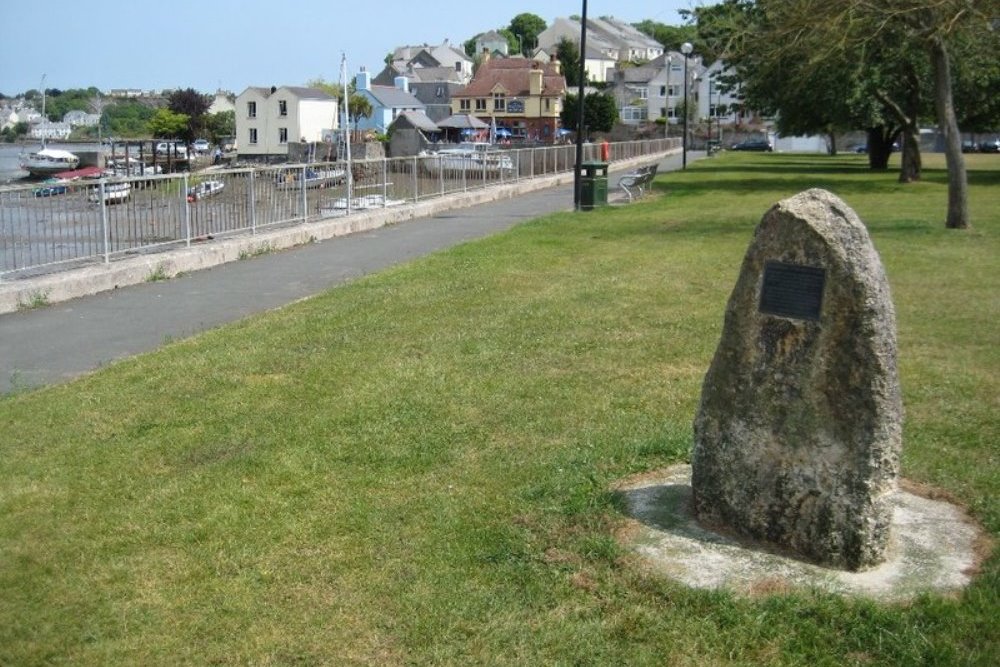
174,148
969,146
858,148
989,146
201,145
754,145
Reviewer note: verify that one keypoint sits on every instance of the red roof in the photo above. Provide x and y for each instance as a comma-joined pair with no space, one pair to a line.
513,75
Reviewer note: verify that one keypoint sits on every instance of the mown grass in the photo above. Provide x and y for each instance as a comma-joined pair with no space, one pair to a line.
414,469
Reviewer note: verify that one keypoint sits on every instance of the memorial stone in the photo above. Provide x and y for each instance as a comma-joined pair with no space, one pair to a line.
798,434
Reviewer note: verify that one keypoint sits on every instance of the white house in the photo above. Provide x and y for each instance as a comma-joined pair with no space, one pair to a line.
609,41
222,101
268,118
50,130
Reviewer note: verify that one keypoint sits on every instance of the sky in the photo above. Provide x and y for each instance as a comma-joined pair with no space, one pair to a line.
231,44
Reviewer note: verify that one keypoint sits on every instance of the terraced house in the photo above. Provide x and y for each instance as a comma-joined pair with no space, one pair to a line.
523,97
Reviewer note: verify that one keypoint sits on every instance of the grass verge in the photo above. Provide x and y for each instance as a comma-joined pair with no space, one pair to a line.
414,469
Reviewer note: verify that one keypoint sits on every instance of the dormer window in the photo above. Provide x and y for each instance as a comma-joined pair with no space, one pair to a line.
499,102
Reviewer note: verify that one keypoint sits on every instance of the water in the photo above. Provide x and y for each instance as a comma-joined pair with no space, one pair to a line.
10,169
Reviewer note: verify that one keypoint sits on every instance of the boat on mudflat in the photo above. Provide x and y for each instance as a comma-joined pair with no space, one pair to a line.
48,161
473,158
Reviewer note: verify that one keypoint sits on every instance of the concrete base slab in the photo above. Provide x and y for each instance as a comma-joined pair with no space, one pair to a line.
936,547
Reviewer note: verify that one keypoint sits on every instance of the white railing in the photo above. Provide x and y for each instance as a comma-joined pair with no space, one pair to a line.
46,227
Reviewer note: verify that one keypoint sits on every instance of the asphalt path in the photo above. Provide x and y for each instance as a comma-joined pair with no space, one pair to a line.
56,343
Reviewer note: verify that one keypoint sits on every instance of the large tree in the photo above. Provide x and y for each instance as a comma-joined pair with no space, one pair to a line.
600,113
192,104
817,32
527,27
568,54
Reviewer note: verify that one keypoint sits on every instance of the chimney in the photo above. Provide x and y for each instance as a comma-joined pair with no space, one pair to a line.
556,65
535,81
363,80
402,83
486,54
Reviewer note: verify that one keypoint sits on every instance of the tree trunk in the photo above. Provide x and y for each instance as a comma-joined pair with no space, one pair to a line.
831,142
879,147
958,199
912,164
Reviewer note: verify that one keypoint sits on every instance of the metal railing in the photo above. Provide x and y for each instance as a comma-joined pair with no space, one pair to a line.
51,226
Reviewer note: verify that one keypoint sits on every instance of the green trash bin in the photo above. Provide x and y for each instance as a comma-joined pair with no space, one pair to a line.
593,185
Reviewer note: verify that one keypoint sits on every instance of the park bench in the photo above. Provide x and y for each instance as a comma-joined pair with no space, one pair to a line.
636,183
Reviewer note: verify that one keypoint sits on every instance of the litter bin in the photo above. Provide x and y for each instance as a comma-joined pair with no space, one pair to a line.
593,185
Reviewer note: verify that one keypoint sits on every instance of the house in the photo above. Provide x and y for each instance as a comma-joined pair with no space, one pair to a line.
49,130
522,96
222,101
387,102
412,131
632,44
267,119
609,42
656,90
405,58
493,43
76,118
433,86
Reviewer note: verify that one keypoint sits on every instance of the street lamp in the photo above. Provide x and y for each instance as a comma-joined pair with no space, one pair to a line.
666,104
577,180
686,49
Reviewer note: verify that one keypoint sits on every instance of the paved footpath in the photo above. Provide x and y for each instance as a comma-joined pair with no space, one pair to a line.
58,342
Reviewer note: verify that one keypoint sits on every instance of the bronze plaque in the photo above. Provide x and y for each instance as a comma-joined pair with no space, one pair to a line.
792,290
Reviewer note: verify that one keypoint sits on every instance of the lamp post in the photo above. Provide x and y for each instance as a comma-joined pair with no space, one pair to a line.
577,180
686,49
666,104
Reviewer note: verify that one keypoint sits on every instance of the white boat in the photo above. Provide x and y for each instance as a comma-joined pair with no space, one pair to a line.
205,189
48,161
291,179
363,203
114,193
472,157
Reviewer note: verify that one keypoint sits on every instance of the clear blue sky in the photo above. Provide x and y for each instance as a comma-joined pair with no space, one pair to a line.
232,44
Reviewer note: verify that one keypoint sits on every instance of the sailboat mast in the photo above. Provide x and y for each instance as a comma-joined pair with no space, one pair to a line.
346,133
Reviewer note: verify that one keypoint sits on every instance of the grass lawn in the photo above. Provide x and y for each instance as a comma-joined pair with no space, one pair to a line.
414,469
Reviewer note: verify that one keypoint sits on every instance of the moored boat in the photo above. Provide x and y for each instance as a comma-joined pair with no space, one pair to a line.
474,158
48,161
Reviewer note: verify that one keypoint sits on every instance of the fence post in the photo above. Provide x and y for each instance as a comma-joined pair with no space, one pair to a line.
416,183
187,212
305,197
441,176
253,204
385,182
104,223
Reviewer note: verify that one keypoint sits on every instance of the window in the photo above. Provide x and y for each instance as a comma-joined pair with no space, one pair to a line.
499,102
643,93
673,91
439,91
465,105
548,104
282,135
282,107
253,135
663,91
481,104
251,109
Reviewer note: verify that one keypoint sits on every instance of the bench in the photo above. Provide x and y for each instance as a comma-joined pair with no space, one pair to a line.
636,183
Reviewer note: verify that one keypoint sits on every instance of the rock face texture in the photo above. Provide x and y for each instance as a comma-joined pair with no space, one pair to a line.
798,434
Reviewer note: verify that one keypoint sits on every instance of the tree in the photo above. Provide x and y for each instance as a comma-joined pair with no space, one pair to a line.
168,124
527,27
192,104
817,31
128,119
600,113
670,36
220,125
568,54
